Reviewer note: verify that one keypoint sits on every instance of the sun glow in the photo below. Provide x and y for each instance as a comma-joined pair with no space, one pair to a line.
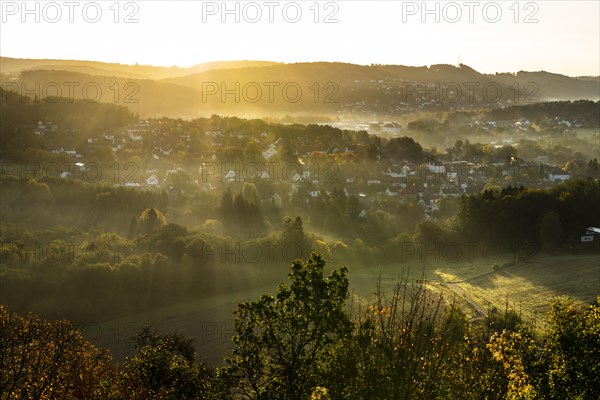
556,36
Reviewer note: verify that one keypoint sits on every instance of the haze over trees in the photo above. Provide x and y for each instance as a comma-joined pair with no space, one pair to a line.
400,220
358,197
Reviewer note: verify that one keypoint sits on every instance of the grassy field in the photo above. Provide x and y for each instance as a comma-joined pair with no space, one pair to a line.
207,319
529,287
433,268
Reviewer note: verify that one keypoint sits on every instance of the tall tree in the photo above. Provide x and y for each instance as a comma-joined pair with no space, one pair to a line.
282,338
151,219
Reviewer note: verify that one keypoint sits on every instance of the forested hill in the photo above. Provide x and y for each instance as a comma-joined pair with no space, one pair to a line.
551,85
16,65
272,89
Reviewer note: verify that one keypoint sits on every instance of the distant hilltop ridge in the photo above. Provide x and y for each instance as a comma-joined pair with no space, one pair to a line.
10,65
269,88
15,65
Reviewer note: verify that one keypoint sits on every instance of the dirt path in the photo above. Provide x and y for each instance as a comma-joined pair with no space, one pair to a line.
461,293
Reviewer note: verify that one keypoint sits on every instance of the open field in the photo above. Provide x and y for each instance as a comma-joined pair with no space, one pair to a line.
434,269
529,287
208,319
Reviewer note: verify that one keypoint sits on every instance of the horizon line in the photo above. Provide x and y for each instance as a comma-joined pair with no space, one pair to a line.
137,64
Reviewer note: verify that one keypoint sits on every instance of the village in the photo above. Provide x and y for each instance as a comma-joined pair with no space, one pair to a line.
308,173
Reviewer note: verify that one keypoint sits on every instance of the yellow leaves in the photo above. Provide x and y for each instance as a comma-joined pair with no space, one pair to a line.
380,310
320,393
44,355
507,348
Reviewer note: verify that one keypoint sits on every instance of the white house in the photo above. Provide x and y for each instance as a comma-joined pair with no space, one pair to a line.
559,177
390,193
270,152
152,180
392,174
131,184
436,168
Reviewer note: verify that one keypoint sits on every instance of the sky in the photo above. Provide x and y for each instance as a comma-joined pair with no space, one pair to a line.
490,36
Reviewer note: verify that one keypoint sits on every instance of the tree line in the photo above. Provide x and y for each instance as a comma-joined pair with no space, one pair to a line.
150,261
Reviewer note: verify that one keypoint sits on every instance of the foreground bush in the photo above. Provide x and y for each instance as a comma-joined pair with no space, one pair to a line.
50,360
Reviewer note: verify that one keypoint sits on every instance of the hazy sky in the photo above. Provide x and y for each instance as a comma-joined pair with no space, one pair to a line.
506,36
